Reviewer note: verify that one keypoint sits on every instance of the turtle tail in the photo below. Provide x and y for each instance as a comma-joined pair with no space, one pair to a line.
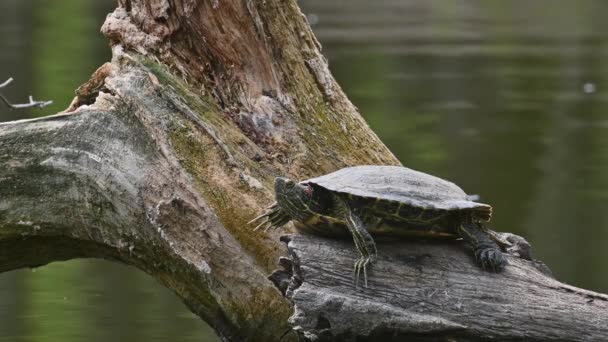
273,218
473,197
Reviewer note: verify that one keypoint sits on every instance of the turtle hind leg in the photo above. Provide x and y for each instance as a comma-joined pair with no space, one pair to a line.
365,245
488,254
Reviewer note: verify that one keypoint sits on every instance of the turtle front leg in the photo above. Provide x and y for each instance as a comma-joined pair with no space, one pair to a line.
272,218
363,241
487,253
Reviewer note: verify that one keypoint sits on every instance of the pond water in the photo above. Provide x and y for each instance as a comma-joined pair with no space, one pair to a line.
507,99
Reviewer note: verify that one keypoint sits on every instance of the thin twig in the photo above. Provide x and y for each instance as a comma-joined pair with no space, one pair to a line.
6,82
32,103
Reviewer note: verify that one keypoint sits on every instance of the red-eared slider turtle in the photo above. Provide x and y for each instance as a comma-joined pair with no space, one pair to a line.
389,201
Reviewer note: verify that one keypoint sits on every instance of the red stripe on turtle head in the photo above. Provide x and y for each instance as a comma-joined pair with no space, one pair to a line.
308,191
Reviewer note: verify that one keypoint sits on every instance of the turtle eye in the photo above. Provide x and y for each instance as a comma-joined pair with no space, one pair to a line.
308,191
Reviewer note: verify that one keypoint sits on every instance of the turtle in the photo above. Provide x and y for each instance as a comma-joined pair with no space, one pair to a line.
371,201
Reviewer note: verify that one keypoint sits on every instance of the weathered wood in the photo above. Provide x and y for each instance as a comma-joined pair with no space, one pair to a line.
169,150
105,182
430,290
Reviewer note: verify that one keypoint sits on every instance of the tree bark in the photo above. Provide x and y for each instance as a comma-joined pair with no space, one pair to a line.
432,291
169,150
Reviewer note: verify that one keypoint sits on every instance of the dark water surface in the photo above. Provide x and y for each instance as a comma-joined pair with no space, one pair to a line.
507,99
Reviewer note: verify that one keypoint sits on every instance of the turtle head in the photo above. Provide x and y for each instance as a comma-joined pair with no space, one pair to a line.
294,198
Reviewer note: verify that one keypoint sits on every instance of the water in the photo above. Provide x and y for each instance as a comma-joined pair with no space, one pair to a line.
92,300
507,99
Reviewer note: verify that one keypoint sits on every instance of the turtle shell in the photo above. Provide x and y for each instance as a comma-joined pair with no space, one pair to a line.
402,185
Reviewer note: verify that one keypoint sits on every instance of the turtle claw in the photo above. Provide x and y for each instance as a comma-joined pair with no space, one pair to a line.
357,271
259,226
272,218
263,223
361,265
266,214
490,259
258,218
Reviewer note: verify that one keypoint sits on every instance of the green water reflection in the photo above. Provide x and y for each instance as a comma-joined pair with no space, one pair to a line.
91,300
505,98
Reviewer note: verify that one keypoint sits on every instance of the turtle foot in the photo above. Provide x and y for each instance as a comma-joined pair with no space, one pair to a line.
361,265
490,259
272,218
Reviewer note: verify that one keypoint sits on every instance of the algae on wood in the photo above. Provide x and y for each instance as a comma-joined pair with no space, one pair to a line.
169,150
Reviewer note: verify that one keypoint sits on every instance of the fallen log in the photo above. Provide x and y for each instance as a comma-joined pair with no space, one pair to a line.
432,291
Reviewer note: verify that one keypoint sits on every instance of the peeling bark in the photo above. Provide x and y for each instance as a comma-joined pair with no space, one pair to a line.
168,151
